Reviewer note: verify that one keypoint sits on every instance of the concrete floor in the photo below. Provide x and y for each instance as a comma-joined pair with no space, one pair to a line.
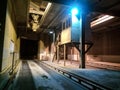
24,79
32,76
108,78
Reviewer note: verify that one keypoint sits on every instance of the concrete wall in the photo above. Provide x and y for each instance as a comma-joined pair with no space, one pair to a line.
103,58
44,47
10,36
73,54
106,46
41,50
3,6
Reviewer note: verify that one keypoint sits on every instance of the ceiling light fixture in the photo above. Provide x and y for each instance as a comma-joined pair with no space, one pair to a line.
51,32
101,20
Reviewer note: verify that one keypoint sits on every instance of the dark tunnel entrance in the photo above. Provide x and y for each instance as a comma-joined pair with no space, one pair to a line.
28,49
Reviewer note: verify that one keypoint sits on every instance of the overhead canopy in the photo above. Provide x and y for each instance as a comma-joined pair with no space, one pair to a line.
51,18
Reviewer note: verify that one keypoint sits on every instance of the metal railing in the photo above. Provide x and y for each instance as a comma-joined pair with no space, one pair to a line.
81,80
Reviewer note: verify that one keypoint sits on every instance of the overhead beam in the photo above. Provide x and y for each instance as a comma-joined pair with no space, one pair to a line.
94,7
45,13
107,9
35,9
65,2
69,2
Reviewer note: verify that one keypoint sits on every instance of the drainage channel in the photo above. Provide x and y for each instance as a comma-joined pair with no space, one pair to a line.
81,80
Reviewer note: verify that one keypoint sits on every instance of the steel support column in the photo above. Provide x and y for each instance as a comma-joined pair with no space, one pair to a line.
57,53
82,44
64,54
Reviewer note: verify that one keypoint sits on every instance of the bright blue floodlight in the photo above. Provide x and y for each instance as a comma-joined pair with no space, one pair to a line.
74,11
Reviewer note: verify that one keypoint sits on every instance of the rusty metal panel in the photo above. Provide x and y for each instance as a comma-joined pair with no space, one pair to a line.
66,36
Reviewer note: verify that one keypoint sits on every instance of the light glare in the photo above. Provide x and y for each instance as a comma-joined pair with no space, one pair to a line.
74,11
